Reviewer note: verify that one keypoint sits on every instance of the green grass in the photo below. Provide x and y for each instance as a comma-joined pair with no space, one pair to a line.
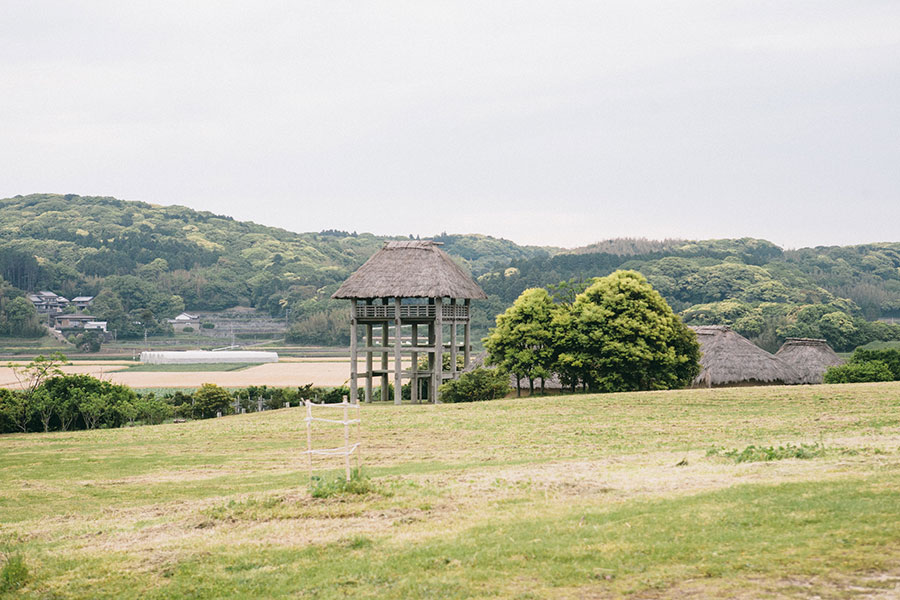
191,368
895,344
24,346
767,453
573,496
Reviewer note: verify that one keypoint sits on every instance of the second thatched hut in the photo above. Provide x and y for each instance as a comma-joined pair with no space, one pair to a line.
810,357
730,359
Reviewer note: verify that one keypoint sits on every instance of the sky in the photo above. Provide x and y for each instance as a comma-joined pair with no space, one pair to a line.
550,123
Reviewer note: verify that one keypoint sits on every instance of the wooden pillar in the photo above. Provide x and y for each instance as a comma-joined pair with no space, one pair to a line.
384,356
431,338
414,379
438,371
453,344
398,362
369,365
353,354
467,337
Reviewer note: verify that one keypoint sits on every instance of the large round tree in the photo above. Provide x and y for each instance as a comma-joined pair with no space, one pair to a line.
522,341
621,335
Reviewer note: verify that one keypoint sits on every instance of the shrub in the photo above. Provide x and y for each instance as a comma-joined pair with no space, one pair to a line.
208,325
188,329
859,372
475,386
769,453
182,404
889,356
153,410
14,574
210,399
326,487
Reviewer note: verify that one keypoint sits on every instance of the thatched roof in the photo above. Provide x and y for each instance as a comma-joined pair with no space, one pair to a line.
731,359
810,358
416,269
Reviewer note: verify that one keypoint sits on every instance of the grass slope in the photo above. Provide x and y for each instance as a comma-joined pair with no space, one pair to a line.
583,496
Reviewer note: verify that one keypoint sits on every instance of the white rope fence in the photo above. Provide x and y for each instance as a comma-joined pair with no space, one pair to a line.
347,449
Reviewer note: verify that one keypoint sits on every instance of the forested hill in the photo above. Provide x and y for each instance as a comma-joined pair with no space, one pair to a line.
764,292
147,263
167,258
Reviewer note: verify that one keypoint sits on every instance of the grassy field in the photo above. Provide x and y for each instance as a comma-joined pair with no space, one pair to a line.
647,495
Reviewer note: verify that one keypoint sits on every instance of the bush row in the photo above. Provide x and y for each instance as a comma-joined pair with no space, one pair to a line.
69,402
867,365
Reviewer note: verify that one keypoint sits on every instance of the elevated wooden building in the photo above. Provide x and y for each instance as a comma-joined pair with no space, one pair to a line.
407,295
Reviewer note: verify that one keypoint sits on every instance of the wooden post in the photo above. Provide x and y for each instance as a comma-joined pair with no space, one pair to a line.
430,380
398,362
384,356
467,337
346,438
353,354
453,348
414,381
309,435
369,365
358,436
438,371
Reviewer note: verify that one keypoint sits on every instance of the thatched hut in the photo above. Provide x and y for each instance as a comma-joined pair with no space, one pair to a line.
403,286
730,359
809,357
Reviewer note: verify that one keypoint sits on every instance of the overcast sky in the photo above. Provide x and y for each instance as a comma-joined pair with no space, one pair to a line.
556,123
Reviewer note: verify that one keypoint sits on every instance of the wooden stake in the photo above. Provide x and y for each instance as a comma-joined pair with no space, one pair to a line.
358,436
309,436
346,438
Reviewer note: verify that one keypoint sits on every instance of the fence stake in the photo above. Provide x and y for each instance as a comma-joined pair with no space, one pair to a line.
309,436
358,435
346,438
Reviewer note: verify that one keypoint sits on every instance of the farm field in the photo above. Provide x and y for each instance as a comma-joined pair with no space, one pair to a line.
643,495
287,372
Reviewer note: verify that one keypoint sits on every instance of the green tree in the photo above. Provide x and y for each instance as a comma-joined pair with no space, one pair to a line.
623,336
30,399
18,318
522,341
476,386
210,399
17,408
838,328
92,406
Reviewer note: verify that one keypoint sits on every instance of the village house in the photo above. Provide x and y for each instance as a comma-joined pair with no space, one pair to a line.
82,302
63,321
47,302
184,320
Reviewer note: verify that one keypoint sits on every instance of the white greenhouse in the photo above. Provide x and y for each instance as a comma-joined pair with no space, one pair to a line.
191,357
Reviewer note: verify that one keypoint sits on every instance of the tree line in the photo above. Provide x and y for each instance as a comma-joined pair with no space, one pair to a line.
49,400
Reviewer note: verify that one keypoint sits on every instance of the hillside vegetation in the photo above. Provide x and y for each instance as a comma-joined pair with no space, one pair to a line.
163,259
146,263
762,291
751,493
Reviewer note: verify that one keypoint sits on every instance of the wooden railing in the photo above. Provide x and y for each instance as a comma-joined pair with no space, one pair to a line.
411,311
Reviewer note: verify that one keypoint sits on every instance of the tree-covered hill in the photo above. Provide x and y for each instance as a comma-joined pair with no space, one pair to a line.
138,257
753,285
146,263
